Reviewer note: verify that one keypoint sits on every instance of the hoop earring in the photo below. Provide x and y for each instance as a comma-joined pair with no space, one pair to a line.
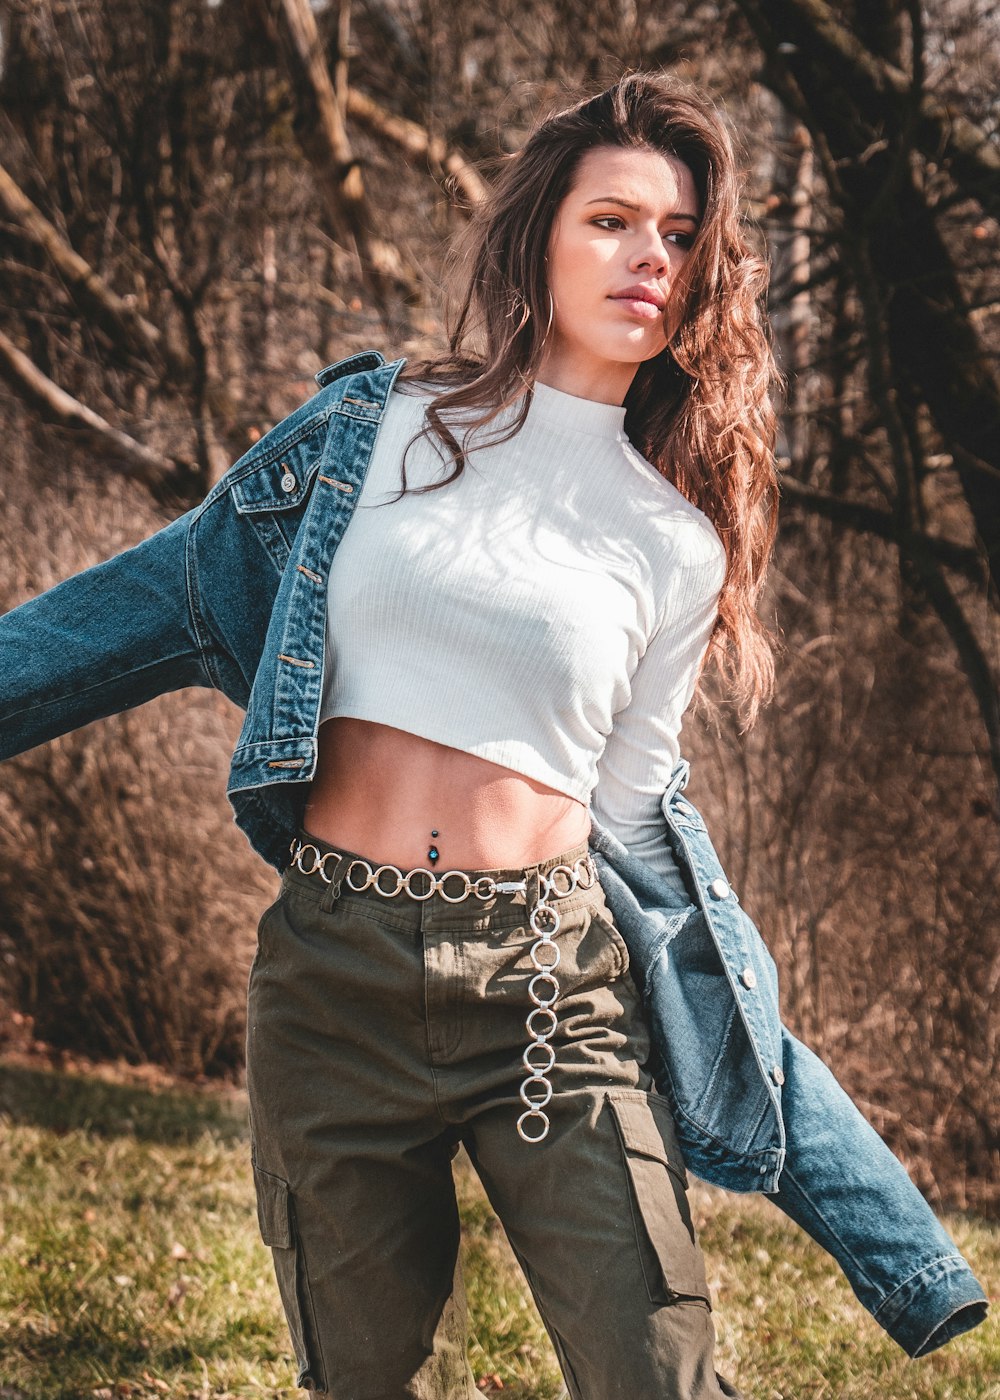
552,312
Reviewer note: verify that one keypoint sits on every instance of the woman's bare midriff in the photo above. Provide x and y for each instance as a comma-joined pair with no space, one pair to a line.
381,791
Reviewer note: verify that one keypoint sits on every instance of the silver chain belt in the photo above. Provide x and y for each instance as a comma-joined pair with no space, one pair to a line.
544,920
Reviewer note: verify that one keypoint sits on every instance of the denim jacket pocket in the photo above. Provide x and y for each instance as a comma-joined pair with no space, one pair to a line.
672,1261
271,492
278,476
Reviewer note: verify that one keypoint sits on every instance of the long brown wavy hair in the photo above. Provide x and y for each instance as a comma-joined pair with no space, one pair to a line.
701,410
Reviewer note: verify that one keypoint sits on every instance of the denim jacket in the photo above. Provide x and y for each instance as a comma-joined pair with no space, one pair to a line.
233,595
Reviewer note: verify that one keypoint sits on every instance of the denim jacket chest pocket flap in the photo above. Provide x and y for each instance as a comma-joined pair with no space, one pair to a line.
279,479
270,487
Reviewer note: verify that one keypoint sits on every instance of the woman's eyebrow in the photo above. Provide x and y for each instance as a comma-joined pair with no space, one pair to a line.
614,199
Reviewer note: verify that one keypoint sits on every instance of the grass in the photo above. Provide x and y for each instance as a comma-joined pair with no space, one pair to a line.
131,1267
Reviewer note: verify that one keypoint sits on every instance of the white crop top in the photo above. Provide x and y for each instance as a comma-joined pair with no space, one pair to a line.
547,610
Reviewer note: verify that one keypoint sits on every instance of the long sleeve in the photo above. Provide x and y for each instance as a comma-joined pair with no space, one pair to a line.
104,640
643,746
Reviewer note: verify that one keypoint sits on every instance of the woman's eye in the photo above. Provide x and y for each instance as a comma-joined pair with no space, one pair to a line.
615,221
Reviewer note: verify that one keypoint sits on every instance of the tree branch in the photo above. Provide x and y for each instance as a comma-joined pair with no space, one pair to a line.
940,130
964,559
341,84
111,311
913,302
973,656
417,142
57,406
321,133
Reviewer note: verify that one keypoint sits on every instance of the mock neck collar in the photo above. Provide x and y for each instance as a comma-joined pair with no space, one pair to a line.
562,410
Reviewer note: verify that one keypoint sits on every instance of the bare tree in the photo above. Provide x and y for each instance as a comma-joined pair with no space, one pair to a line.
899,159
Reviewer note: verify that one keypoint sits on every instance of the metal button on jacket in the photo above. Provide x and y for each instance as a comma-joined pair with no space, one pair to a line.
748,977
719,888
778,1074
288,482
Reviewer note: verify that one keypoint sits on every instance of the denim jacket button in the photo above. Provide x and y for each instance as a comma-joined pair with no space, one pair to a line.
778,1074
748,977
719,888
288,482
684,809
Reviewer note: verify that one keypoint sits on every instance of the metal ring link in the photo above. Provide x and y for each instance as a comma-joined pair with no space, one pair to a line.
393,870
321,866
590,867
540,1011
301,852
540,1004
525,1095
528,1062
551,913
490,887
536,949
419,870
369,878
552,887
453,898
533,1113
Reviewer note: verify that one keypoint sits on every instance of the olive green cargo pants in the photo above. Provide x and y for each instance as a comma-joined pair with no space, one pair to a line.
383,1033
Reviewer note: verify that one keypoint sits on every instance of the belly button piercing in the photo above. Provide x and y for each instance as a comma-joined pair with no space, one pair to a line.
433,853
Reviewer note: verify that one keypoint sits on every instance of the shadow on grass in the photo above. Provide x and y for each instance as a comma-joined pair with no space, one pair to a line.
69,1358
62,1102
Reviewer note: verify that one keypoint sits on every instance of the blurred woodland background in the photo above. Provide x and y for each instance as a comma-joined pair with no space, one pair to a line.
202,202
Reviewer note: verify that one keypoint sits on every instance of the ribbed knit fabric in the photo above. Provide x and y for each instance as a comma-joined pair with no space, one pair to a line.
547,610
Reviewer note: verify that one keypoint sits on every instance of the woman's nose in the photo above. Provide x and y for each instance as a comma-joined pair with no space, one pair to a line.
652,256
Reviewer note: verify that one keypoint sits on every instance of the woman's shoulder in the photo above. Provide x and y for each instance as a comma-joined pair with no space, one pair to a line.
685,528
412,393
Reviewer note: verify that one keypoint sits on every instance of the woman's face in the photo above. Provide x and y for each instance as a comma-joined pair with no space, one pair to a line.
619,239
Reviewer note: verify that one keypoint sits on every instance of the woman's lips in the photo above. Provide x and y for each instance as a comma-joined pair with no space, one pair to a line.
636,306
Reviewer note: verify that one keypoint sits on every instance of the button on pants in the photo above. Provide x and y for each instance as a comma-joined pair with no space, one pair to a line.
382,1034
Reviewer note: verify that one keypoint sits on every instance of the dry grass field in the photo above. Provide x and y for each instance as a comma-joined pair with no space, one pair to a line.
131,1267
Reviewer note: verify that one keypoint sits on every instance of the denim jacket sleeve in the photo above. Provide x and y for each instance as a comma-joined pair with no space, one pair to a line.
106,639
189,605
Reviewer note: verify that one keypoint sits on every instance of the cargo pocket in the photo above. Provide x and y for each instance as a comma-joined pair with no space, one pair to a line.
276,1216
605,922
671,1258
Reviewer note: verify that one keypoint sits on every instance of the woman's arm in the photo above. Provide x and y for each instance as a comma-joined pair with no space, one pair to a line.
643,747
104,640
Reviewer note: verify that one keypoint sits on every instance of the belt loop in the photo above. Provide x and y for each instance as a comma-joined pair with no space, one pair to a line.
332,892
532,887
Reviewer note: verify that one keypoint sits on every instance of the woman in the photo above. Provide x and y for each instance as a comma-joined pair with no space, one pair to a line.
483,632
463,713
